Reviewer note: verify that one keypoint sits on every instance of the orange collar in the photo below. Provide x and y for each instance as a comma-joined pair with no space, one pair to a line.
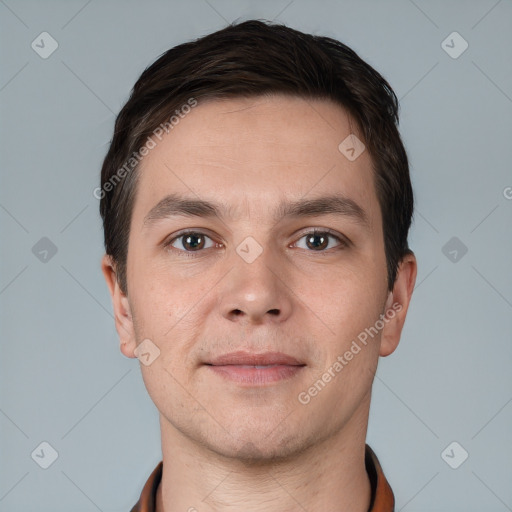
382,499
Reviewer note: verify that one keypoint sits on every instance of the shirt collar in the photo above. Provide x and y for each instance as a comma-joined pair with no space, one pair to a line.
382,498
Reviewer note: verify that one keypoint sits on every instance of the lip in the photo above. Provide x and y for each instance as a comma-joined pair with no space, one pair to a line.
250,358
250,369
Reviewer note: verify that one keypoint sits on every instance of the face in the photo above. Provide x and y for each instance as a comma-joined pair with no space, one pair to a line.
255,262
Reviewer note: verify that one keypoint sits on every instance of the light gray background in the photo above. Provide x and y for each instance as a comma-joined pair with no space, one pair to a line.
63,379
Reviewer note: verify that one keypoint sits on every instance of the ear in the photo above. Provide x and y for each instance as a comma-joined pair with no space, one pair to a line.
122,313
397,304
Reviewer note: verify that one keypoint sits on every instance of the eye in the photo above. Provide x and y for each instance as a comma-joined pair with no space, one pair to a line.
191,241
320,240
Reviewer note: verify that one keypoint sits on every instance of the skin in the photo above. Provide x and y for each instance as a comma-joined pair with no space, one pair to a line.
227,446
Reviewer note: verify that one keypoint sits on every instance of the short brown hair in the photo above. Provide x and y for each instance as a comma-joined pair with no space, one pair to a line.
249,59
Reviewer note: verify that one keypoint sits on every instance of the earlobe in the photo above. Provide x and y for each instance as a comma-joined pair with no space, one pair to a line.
122,311
397,304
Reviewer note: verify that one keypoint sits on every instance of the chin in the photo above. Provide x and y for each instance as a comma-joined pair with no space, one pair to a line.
255,453
257,444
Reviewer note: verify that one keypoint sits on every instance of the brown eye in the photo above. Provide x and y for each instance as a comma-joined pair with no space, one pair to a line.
319,241
191,241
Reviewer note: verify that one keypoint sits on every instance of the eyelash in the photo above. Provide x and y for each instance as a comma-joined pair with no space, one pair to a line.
343,242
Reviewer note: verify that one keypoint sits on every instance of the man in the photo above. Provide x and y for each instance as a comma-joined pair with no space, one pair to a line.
256,203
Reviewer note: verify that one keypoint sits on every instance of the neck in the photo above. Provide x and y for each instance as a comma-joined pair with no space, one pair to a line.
330,475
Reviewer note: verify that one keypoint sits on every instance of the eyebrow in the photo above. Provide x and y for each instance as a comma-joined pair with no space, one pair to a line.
176,205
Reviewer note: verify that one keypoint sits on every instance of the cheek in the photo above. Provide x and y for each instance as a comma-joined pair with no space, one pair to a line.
353,351
350,298
350,304
170,313
158,299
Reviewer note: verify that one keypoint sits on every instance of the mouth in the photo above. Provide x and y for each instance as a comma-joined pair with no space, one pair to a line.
251,369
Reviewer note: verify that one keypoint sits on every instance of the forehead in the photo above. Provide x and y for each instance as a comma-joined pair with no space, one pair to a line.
249,152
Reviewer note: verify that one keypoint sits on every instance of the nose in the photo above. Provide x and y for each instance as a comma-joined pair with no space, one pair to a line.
256,292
